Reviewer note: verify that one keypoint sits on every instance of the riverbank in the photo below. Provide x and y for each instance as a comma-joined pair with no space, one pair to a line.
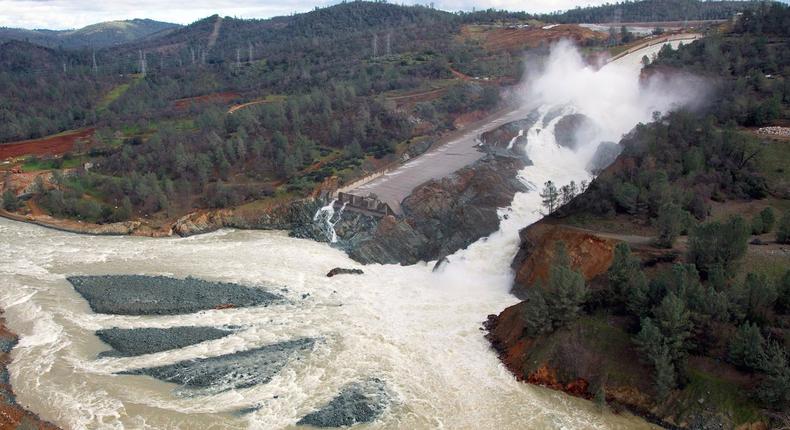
12,415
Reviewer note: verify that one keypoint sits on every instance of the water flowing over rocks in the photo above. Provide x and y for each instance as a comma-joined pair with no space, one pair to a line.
159,295
359,402
510,139
141,341
440,216
232,371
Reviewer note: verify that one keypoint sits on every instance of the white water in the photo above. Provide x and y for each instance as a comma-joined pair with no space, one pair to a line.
514,139
417,330
326,218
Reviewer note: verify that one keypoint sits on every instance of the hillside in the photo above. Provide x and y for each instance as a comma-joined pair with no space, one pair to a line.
101,35
664,287
654,11
232,111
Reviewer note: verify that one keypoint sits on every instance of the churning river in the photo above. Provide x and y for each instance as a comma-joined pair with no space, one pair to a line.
417,330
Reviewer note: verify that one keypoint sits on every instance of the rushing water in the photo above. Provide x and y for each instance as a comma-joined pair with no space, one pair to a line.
416,330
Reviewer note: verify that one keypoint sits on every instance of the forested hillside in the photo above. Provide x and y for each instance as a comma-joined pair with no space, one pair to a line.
690,323
318,95
654,10
100,35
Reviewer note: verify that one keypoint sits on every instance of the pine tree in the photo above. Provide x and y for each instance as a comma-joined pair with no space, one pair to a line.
666,377
775,389
747,348
783,232
536,315
673,320
669,224
550,197
565,289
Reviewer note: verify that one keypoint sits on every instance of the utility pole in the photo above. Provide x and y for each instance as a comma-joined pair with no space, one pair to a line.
238,58
64,67
389,43
95,66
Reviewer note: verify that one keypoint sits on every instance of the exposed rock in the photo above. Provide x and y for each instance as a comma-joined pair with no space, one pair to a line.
159,295
498,140
340,271
574,130
294,216
232,371
590,254
440,216
359,402
140,341
604,156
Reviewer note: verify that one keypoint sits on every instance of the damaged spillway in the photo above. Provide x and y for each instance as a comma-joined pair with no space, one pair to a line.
395,347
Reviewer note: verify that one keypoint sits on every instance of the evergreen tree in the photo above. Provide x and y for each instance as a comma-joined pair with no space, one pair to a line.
673,319
747,348
782,304
669,224
550,197
775,389
718,245
536,315
666,375
783,232
565,289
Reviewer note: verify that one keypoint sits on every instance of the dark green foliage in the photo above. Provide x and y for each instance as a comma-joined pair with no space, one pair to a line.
783,294
764,221
565,289
536,313
783,231
628,289
718,245
10,202
747,348
775,389
666,375
550,197
655,351
669,224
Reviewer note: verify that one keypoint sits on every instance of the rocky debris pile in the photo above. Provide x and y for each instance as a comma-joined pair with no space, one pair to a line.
340,271
141,341
159,295
440,216
238,370
359,402
775,131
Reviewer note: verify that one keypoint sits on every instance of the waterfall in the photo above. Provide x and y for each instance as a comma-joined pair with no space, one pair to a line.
513,140
324,216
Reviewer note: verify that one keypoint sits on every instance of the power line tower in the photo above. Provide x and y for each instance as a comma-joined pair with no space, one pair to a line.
375,45
238,58
95,66
389,43
249,56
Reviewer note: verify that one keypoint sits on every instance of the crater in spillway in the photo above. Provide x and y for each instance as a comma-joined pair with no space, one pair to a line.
141,341
238,370
160,295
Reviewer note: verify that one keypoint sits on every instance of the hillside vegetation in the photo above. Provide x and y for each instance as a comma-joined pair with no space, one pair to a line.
654,11
101,35
688,322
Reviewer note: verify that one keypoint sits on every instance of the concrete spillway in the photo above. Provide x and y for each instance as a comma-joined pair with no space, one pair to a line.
460,149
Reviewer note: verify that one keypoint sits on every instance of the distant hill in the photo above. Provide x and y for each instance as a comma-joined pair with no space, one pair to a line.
654,11
102,35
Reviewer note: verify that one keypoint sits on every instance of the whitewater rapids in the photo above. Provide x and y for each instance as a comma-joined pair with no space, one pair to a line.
418,331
